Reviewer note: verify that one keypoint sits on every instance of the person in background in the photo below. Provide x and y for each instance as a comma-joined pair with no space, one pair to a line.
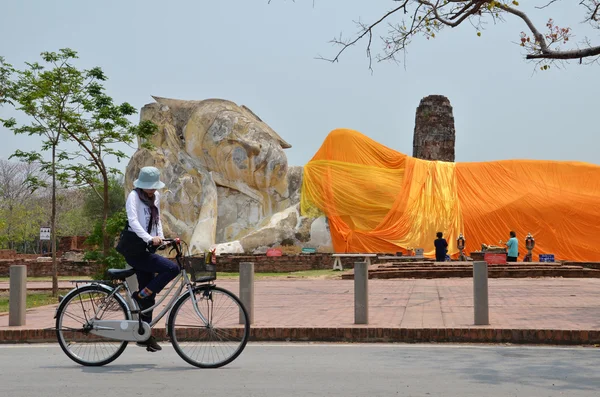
441,247
513,247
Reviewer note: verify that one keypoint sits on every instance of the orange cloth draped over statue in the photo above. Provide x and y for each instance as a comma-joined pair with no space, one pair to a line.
379,200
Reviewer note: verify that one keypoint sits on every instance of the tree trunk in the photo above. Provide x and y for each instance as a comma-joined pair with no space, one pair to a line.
53,226
105,239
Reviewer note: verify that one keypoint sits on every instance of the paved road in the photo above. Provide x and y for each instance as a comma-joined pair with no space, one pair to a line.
312,370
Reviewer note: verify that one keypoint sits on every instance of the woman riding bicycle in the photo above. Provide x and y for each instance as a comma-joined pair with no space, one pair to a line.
153,271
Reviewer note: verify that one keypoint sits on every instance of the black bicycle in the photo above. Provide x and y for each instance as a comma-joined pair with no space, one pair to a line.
208,326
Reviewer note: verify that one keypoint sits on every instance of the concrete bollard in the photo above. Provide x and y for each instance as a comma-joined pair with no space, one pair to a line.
480,293
361,293
247,289
17,295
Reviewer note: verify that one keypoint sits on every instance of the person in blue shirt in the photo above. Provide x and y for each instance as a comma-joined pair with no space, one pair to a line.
513,247
441,247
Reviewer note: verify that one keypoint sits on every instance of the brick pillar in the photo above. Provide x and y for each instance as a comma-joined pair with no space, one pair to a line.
434,134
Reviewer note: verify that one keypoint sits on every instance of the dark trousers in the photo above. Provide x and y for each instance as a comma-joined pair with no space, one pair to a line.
153,272
511,258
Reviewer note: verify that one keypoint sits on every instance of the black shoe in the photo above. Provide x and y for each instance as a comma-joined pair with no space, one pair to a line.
151,345
143,304
136,297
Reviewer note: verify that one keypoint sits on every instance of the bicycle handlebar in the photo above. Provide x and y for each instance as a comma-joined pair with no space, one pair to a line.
175,242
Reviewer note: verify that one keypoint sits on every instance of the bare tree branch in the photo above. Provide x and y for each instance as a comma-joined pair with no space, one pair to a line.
367,30
429,17
547,5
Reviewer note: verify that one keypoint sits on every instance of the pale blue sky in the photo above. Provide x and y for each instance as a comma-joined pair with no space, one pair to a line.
262,56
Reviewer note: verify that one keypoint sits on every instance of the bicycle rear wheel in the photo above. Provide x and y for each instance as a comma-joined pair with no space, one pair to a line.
73,330
214,344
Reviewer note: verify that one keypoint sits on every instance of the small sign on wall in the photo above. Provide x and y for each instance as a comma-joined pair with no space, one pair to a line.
546,257
45,233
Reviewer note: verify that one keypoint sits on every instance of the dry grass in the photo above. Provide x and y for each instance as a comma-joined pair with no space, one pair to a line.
289,249
294,249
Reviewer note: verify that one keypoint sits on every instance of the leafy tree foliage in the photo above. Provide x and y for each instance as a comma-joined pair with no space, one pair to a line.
64,103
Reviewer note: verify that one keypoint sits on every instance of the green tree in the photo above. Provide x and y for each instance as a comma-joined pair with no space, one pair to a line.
43,96
93,205
30,216
114,224
5,72
72,217
111,259
18,201
64,103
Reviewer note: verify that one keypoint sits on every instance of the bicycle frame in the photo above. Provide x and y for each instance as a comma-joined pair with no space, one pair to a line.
110,329
183,280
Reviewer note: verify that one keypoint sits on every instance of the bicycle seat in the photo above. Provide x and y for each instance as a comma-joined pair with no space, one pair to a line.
120,274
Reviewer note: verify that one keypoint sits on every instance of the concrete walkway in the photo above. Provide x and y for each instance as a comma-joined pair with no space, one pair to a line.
540,310
40,285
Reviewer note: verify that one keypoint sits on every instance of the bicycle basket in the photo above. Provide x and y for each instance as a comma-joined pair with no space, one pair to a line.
201,268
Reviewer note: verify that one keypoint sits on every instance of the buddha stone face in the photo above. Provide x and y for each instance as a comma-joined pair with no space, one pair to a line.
224,169
225,138
237,145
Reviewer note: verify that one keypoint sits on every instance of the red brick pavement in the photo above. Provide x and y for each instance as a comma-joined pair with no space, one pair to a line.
553,310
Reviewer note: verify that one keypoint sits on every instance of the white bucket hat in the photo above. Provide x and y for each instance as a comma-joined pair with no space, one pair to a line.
149,178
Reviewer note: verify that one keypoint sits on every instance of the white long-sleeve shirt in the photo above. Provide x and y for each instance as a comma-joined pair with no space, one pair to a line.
138,215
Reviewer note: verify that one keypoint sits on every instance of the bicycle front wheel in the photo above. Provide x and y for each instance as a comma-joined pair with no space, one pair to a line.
212,344
73,325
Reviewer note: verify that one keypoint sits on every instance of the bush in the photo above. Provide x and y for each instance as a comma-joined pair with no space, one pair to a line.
113,260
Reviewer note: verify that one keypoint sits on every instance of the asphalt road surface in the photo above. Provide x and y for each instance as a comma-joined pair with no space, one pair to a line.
311,370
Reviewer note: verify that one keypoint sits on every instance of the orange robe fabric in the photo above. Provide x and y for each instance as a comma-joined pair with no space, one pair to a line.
379,200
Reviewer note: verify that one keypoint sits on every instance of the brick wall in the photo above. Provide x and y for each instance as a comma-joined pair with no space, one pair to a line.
12,254
589,265
281,264
44,269
226,263
8,254
288,263
72,243
285,263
